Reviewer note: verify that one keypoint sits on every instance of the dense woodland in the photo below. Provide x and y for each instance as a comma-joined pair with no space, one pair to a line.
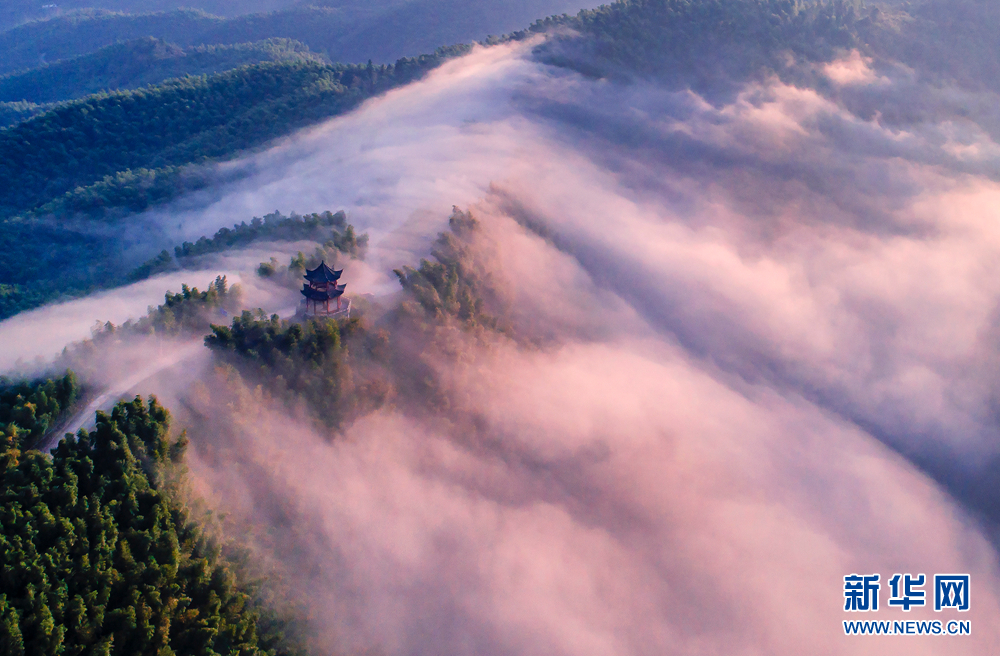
180,122
99,553
332,233
28,410
98,557
703,43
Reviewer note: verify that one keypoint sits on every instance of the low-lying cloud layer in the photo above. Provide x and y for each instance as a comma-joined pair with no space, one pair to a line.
750,309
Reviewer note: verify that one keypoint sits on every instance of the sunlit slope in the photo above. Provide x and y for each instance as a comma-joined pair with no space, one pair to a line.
180,122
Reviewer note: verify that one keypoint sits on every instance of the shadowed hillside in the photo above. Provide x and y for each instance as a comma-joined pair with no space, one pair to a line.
138,63
382,31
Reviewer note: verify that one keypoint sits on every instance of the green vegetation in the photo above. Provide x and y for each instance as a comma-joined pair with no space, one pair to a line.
275,227
180,122
126,192
40,263
347,367
329,229
333,365
345,243
456,284
79,33
98,557
188,311
16,12
700,42
330,252
138,63
30,409
104,156
711,42
15,112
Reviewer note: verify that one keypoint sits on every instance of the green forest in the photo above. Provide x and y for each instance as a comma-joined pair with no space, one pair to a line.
180,122
100,552
187,312
332,233
98,555
29,410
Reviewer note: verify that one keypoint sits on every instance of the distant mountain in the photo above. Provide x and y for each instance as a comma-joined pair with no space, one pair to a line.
348,30
702,42
106,156
180,122
48,41
712,42
137,63
16,12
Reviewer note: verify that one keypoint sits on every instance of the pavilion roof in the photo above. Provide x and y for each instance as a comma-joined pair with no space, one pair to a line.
323,273
319,295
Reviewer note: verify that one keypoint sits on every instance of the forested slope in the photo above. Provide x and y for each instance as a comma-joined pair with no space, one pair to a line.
48,41
98,557
702,42
180,122
83,158
138,63
28,410
708,42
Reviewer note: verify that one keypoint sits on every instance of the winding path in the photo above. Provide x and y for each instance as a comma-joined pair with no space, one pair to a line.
119,388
